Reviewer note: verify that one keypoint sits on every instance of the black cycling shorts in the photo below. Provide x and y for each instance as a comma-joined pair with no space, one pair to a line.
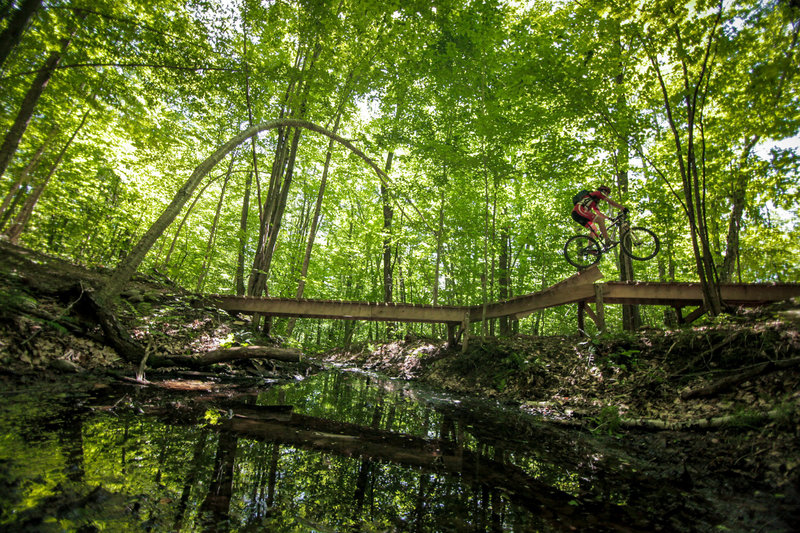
580,219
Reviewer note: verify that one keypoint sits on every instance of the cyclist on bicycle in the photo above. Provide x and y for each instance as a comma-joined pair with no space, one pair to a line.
586,211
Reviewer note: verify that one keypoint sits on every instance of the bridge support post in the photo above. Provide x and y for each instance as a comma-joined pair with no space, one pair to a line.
583,311
451,334
465,333
600,314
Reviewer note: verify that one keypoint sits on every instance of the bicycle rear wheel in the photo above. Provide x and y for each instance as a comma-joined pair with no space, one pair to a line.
640,244
582,251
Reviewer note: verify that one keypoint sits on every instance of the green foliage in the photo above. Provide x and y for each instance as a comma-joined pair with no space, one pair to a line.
607,421
746,418
624,359
213,417
495,113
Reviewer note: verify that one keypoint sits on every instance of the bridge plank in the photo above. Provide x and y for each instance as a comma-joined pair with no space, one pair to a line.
686,294
339,309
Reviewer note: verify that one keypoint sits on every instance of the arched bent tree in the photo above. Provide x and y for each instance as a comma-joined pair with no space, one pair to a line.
126,268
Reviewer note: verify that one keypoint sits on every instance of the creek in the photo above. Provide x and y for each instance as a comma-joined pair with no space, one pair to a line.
335,451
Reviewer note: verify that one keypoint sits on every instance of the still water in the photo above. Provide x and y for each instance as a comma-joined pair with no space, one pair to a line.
337,451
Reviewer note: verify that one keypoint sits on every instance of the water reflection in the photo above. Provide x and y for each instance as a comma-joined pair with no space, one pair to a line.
336,452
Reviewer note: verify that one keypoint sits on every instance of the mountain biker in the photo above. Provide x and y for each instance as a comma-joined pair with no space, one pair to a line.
586,211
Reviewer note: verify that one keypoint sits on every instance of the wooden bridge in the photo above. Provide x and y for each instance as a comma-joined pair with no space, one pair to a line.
579,288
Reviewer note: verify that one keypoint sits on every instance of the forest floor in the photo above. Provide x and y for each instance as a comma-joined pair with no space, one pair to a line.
720,397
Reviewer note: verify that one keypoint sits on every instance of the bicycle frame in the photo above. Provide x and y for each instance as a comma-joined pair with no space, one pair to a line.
619,222
585,250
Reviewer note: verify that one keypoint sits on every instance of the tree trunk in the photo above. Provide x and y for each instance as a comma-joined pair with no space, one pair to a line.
738,195
166,260
301,283
239,281
15,133
271,228
18,226
213,233
11,36
504,280
281,178
388,214
631,317
437,271
24,175
239,353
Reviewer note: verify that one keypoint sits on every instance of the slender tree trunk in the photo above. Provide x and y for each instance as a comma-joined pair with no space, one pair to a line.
693,188
281,178
18,199
257,280
24,175
631,315
166,260
12,34
437,267
504,280
18,226
738,195
213,233
388,214
239,278
15,133
239,281
301,283
277,208
486,239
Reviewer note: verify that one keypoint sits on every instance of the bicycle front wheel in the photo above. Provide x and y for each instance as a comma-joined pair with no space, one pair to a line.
640,243
582,251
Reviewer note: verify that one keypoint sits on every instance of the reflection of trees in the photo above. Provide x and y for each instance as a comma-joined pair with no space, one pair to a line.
182,477
218,499
429,455
70,436
191,478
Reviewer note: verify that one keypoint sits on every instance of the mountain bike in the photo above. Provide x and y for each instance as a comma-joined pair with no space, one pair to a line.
637,243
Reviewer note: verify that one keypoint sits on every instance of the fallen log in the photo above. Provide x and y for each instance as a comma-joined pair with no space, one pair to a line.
728,382
225,355
714,422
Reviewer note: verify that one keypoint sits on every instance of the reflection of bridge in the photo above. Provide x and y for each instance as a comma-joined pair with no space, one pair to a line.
579,288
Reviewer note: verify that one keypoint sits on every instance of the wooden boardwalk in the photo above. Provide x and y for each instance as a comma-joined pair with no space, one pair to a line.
579,288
